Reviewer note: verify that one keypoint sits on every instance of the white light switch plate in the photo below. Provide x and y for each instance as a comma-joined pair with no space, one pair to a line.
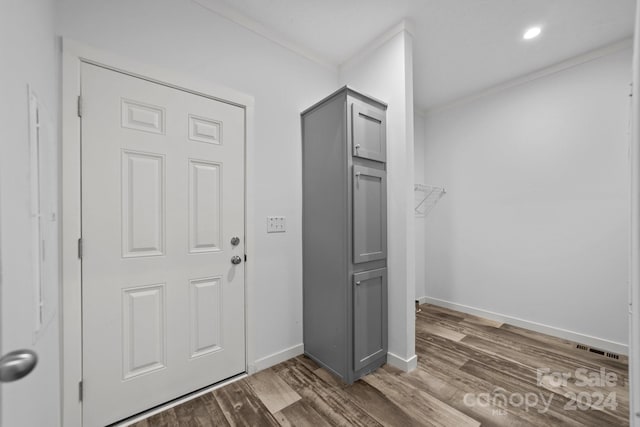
276,224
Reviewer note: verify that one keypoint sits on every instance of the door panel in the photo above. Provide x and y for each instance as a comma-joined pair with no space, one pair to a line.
143,330
369,132
162,196
205,306
142,204
369,316
204,206
369,214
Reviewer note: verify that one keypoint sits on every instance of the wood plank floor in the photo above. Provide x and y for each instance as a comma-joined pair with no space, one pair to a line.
471,372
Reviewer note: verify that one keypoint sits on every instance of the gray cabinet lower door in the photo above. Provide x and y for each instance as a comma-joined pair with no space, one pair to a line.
370,316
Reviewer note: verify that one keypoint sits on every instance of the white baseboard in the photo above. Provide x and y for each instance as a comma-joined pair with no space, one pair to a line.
589,340
275,358
424,300
406,365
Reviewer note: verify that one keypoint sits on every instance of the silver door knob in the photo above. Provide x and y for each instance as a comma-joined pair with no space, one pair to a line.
235,260
235,241
16,365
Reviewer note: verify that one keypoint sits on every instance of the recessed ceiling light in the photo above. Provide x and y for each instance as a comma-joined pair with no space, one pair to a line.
532,33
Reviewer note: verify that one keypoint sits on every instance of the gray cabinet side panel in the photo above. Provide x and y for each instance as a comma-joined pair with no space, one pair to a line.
325,228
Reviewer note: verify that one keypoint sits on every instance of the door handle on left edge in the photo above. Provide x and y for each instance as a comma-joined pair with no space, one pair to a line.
16,365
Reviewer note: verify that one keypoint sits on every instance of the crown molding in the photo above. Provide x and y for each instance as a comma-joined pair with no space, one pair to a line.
235,16
575,61
231,14
405,26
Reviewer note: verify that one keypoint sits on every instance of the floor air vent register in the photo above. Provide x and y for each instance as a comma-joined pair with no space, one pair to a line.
598,351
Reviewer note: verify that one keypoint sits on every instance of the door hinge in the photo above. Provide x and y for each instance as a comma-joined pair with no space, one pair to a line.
80,248
79,106
80,391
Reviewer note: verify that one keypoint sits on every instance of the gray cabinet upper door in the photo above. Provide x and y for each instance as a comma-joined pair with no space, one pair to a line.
369,316
369,132
369,214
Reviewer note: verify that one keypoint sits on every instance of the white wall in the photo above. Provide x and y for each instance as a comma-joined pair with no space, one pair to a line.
29,57
386,73
535,221
188,38
419,146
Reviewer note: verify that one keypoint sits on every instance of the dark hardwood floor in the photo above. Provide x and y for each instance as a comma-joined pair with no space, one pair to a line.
471,371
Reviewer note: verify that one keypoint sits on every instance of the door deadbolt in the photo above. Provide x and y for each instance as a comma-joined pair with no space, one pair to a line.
235,241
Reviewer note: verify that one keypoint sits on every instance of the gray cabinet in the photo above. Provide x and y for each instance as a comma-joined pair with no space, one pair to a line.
345,233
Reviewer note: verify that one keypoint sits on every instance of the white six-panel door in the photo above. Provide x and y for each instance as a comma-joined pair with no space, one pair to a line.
162,199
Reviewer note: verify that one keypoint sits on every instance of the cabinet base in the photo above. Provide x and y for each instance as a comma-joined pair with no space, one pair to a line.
351,376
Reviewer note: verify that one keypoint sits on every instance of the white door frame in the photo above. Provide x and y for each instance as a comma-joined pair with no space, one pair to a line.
73,55
634,256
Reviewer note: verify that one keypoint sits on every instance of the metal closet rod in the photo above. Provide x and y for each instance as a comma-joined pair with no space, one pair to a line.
429,190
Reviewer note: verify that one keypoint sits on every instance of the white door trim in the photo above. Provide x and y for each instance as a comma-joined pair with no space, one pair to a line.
73,54
634,253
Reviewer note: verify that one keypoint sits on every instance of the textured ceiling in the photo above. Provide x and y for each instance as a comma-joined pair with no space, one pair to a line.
460,46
